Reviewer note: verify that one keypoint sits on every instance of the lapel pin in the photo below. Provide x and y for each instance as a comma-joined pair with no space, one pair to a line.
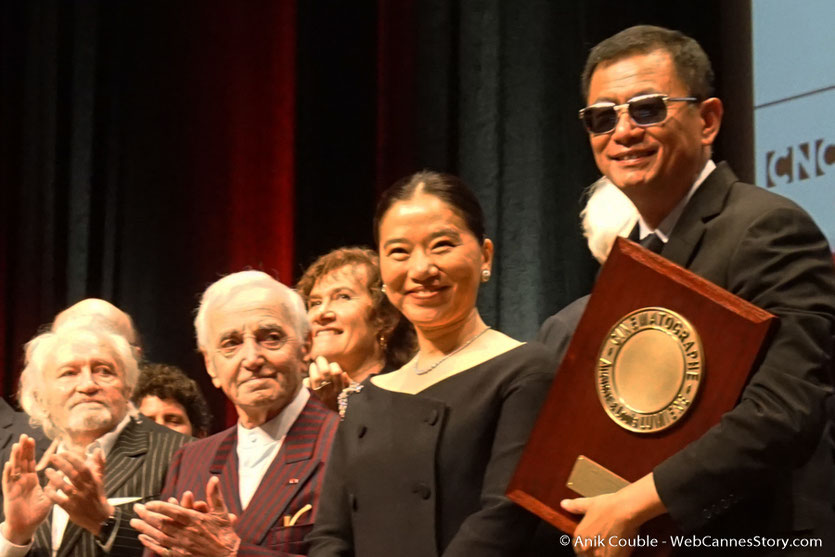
293,481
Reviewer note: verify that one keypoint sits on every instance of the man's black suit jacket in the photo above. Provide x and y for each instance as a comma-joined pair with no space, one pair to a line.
135,467
12,425
764,468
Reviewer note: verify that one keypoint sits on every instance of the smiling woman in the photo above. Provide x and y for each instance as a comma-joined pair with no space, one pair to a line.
421,463
357,333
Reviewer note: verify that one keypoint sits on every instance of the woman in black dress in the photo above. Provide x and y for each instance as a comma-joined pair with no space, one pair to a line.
421,463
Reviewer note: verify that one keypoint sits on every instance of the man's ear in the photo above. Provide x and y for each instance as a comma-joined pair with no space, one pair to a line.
210,368
306,345
711,111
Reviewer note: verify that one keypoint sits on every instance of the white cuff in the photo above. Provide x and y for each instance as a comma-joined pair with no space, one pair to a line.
9,549
108,543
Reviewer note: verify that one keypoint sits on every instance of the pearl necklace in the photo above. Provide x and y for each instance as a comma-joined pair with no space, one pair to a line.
419,371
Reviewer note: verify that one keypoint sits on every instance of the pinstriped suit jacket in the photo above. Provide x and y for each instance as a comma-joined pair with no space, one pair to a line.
293,480
136,467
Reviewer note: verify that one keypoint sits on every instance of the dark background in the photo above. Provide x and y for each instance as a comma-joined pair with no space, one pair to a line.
149,147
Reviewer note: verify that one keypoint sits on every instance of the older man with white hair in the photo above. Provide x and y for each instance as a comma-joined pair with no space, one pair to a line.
91,312
76,385
254,488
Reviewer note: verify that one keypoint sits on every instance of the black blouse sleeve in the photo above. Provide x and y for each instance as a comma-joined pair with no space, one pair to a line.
500,528
332,534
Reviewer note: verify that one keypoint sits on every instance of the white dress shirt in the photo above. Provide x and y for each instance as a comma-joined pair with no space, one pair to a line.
665,228
258,447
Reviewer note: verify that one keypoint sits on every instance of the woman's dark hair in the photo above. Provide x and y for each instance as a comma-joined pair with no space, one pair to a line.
399,334
165,381
448,188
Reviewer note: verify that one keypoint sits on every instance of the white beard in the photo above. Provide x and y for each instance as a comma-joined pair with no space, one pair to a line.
92,419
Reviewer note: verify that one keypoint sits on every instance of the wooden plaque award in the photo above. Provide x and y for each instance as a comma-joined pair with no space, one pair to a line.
658,356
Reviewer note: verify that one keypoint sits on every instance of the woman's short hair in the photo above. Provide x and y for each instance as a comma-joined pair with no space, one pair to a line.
398,332
32,380
448,188
166,381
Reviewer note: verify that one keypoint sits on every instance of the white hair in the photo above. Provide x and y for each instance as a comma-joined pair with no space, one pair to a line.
291,303
608,214
99,314
32,379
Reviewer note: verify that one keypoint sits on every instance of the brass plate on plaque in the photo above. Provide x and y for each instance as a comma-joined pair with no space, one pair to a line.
590,479
649,369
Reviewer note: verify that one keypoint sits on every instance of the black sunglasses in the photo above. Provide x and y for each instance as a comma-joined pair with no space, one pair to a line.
644,110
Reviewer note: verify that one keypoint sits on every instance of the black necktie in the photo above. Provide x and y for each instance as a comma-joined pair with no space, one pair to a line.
653,243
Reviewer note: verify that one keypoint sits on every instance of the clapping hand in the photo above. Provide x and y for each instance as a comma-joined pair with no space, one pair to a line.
24,502
78,487
188,527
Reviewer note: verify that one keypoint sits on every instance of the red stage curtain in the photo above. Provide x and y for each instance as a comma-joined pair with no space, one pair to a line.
247,120
396,91
147,149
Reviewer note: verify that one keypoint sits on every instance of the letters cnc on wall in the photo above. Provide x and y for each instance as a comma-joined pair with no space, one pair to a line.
796,163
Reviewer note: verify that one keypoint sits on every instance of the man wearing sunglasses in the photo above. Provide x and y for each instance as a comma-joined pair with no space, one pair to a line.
763,470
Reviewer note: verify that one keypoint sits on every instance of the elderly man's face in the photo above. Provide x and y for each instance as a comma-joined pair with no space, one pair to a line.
254,353
661,159
84,389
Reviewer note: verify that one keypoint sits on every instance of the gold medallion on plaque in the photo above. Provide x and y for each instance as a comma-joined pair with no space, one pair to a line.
649,369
